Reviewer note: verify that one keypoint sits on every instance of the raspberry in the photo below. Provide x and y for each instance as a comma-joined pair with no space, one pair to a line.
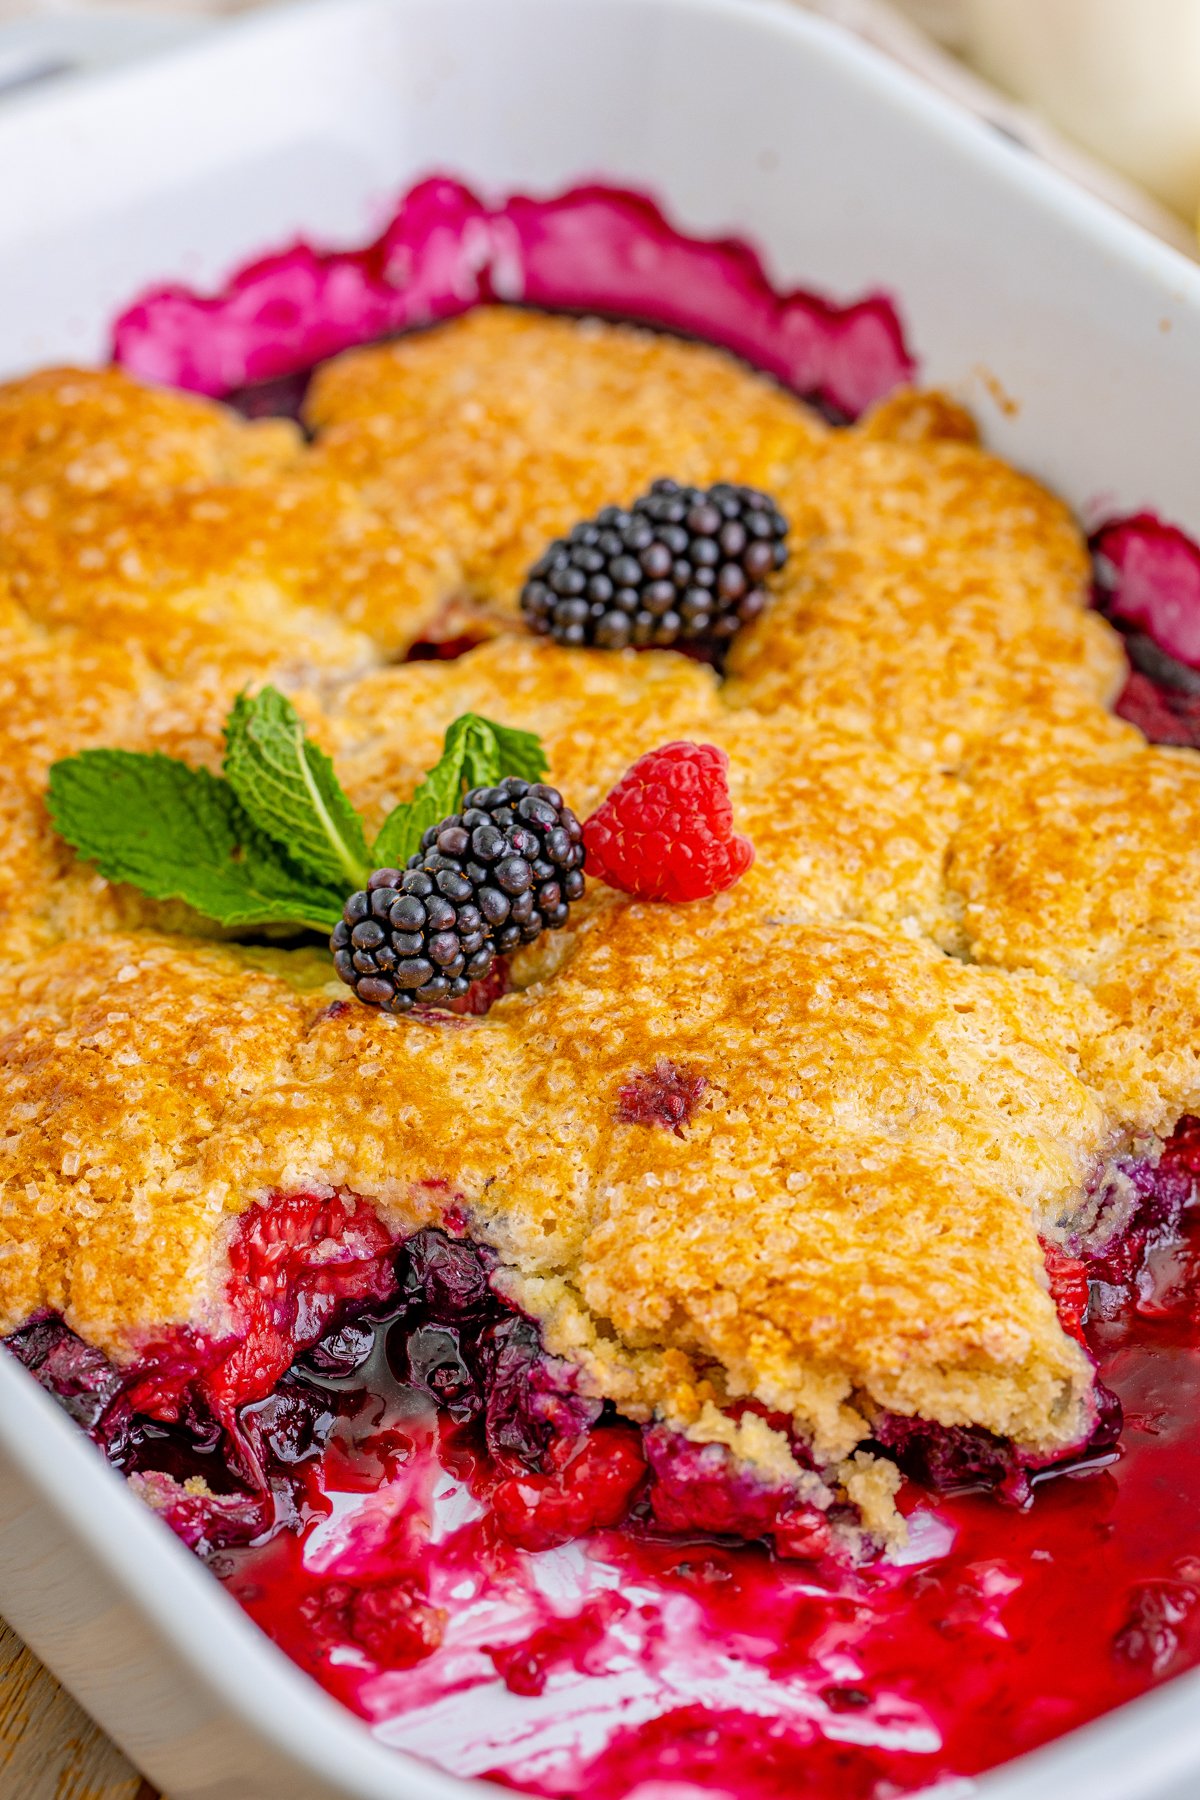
393,1621
666,830
696,1487
591,1493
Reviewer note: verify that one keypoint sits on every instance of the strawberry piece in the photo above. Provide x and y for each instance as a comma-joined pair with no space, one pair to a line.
593,1491
666,830
1068,1288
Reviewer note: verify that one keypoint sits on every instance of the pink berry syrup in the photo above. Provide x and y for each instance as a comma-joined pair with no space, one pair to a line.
417,1504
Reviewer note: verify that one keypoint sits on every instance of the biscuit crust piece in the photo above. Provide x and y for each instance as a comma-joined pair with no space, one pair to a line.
956,989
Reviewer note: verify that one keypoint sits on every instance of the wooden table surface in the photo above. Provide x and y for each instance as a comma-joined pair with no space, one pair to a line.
49,1749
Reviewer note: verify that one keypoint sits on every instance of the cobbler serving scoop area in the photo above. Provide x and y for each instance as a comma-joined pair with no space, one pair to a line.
619,1661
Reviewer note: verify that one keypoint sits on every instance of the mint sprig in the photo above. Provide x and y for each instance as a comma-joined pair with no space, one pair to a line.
180,834
288,787
276,841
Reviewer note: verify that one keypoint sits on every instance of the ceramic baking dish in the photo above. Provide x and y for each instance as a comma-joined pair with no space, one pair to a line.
1074,336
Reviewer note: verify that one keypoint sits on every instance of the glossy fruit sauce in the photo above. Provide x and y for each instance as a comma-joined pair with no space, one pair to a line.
420,1509
497,1573
629,1656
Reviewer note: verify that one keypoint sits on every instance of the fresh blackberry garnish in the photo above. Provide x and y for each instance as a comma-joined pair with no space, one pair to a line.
485,880
682,565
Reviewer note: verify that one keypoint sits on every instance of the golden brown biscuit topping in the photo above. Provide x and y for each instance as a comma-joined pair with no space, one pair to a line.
950,992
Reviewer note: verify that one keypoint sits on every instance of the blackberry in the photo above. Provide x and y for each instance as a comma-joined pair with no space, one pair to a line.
682,565
485,880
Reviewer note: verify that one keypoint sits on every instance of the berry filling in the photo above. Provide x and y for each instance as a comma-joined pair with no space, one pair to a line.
1147,584
219,1432
594,249
428,1516
416,1502
666,1095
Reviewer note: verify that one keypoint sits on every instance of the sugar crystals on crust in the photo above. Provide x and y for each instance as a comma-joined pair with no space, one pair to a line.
948,997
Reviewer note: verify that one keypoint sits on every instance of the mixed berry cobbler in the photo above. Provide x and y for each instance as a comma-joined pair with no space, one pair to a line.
697,1146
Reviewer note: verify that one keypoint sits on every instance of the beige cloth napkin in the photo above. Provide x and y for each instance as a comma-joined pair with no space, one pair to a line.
901,37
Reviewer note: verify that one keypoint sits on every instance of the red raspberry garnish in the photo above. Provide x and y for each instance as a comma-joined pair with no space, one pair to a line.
666,830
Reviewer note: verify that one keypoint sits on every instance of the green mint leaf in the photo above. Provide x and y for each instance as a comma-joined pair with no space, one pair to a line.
472,741
476,753
179,833
288,787
434,799
521,752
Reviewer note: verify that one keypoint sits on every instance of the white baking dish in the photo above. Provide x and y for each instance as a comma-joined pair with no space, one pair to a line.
1076,337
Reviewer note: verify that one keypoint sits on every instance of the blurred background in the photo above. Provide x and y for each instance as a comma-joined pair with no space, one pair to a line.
1109,90
1121,77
